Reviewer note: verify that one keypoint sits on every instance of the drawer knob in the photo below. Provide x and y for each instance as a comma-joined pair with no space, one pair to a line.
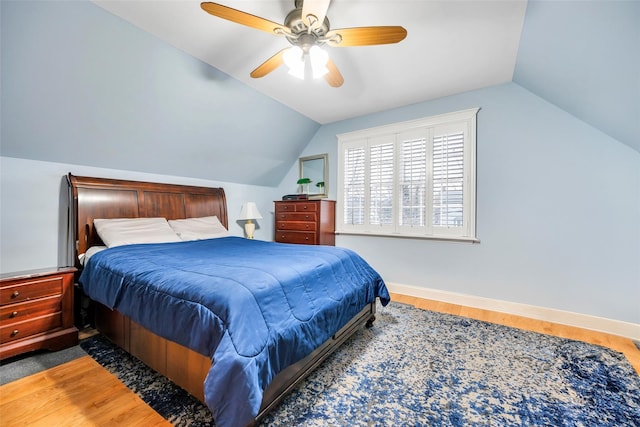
306,238
14,332
13,314
304,207
15,294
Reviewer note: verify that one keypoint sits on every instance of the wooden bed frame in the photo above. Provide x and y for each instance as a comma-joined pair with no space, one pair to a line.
111,198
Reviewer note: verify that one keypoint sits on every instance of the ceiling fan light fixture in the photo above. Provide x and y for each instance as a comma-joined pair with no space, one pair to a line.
318,58
307,28
294,60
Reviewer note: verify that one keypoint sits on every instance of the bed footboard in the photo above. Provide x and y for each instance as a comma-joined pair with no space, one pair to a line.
287,380
188,369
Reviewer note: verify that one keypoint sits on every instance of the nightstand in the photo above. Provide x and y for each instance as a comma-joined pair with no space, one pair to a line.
36,311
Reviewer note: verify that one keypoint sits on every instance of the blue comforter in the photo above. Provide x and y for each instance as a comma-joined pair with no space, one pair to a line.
254,307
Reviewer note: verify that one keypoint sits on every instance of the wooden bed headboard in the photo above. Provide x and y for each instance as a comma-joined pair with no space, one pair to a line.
115,198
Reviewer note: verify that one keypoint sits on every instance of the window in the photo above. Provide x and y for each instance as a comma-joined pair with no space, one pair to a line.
414,179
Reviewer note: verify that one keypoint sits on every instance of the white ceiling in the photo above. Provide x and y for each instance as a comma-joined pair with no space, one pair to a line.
452,47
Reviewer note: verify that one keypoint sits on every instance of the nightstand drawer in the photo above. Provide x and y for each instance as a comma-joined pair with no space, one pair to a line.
13,313
311,216
36,311
295,237
296,225
27,328
28,290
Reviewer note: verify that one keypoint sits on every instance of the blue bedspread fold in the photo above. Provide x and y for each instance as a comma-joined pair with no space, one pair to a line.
253,307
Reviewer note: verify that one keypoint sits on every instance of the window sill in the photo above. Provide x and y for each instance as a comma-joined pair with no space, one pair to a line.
409,236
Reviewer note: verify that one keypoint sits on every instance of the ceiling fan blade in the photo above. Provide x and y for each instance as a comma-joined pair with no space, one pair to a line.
333,77
269,65
317,9
365,36
243,18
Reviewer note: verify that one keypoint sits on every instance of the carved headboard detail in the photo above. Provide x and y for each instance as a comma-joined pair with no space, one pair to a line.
114,198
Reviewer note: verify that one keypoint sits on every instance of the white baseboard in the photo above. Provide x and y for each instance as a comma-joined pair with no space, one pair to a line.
615,327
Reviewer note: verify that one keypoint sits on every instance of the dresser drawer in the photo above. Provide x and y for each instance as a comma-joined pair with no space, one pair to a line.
310,222
27,328
285,207
21,311
306,207
27,290
311,217
296,207
295,237
295,225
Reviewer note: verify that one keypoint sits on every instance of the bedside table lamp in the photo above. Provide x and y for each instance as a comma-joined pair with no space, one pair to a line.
249,213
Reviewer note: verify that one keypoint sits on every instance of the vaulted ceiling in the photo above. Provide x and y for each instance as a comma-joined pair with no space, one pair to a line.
582,56
444,38
114,83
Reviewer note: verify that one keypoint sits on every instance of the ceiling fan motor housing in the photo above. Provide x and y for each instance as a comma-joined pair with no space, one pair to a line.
300,34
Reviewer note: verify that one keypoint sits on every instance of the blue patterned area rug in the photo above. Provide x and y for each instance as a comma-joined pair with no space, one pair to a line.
421,368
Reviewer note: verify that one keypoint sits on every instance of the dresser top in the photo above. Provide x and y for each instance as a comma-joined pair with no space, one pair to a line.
304,201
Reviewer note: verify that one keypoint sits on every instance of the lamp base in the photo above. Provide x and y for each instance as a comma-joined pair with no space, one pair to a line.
249,229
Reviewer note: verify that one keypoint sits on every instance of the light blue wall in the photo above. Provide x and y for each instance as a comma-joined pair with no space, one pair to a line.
82,86
85,92
33,193
584,56
558,210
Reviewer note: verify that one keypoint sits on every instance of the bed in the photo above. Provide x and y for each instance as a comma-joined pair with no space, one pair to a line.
235,322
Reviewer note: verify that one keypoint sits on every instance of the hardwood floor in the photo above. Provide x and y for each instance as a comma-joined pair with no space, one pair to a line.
81,393
77,393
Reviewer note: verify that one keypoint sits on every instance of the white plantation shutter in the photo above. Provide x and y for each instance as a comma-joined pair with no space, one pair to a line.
448,180
353,185
381,184
414,179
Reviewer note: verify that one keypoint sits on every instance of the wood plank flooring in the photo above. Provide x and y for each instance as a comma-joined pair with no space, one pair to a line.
77,393
82,393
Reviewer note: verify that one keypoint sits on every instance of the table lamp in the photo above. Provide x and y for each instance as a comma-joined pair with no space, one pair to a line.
249,213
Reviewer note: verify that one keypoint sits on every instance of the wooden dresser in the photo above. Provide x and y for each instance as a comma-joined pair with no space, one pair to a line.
36,311
310,222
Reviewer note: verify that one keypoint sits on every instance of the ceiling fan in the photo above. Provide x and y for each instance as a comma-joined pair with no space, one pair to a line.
307,29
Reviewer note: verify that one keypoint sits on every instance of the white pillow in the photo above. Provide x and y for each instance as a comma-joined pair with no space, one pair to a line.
207,227
84,258
129,231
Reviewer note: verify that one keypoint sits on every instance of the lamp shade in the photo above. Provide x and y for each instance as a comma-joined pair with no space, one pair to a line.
319,58
250,211
294,59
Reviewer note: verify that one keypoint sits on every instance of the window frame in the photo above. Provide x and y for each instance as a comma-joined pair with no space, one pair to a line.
428,127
